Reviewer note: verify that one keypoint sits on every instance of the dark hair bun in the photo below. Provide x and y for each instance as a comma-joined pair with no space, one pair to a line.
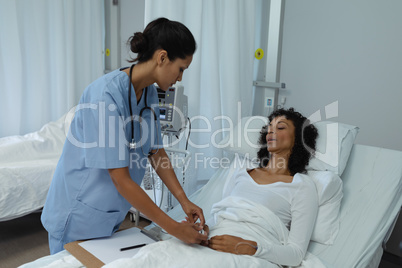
165,34
138,43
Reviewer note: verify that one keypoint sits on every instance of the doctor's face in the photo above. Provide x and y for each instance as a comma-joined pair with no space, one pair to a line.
172,71
281,135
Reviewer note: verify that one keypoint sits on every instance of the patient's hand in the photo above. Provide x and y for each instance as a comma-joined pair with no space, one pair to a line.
232,244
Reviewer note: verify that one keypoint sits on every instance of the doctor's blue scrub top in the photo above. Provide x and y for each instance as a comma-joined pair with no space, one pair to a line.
83,202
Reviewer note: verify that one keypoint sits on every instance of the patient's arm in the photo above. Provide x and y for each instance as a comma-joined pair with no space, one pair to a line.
233,244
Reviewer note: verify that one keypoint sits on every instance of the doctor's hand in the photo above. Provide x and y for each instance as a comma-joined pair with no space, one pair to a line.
189,233
193,212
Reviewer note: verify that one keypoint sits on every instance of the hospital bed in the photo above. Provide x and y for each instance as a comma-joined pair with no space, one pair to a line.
360,197
27,164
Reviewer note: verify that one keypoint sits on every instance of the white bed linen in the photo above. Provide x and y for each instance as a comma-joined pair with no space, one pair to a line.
62,259
27,164
372,184
24,187
234,216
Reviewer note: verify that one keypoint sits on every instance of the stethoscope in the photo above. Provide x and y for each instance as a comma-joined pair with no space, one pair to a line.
133,144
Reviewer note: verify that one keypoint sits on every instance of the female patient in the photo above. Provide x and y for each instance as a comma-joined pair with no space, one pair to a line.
286,145
267,212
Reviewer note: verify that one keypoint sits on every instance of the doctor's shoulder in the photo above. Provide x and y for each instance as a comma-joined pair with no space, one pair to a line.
111,82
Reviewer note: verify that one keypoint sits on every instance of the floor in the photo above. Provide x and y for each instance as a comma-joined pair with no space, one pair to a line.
24,240
390,261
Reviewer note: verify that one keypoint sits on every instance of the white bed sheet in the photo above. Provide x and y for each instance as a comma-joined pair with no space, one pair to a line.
27,164
372,185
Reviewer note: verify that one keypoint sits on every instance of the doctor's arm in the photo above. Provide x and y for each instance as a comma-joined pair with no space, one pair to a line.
161,163
137,197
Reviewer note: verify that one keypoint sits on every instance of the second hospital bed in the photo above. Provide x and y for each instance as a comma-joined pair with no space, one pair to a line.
371,183
27,164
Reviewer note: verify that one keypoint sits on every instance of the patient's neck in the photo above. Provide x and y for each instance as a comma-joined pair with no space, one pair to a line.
278,164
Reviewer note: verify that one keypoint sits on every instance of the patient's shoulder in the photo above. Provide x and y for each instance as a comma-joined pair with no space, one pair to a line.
305,182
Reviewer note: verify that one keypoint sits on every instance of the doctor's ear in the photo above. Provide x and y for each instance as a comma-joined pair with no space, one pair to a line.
162,56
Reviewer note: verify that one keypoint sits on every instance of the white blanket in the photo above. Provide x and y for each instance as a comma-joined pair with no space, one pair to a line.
233,216
27,164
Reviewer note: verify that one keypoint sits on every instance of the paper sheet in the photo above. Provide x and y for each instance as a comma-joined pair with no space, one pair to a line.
108,249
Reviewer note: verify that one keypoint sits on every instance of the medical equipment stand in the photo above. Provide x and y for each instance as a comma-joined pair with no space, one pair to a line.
135,214
171,152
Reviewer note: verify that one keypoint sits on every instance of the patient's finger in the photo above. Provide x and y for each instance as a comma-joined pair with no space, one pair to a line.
217,241
220,247
217,238
215,245
205,243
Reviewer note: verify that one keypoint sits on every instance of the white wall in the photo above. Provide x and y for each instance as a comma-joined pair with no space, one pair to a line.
132,20
345,51
350,52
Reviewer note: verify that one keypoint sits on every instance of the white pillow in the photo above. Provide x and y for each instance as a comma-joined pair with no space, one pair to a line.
334,144
329,189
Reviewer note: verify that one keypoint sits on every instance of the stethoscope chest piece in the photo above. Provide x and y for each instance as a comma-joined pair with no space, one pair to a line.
133,144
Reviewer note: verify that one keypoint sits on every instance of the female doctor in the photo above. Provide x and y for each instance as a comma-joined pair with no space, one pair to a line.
109,141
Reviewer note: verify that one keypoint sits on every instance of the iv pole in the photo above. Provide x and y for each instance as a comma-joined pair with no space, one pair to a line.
171,151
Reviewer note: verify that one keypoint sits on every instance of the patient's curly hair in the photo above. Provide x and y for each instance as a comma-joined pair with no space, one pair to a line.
305,141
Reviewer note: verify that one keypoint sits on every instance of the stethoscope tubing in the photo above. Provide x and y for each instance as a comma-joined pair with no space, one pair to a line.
132,144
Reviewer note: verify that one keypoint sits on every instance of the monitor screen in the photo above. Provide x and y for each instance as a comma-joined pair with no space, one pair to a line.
162,113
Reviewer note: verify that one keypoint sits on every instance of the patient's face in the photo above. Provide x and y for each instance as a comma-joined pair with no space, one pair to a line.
281,135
